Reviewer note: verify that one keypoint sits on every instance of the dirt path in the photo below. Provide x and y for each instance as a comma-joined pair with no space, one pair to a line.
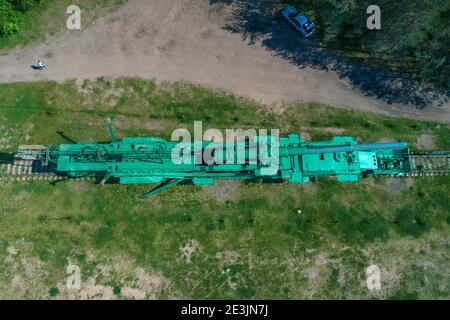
172,40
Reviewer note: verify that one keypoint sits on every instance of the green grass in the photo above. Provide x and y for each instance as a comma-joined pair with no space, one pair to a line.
254,245
49,18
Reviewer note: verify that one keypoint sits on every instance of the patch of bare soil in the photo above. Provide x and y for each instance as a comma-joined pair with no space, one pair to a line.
334,130
189,249
395,186
306,136
227,257
426,142
136,282
224,191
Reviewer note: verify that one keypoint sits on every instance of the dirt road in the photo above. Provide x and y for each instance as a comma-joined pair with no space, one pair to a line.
173,40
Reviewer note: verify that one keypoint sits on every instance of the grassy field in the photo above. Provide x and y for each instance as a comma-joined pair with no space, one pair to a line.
228,241
49,17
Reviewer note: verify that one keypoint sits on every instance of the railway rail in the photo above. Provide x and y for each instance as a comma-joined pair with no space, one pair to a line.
430,164
22,170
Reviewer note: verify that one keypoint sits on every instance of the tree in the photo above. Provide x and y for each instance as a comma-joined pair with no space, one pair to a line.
9,18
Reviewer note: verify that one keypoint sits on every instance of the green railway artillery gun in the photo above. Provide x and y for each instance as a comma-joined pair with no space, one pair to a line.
149,160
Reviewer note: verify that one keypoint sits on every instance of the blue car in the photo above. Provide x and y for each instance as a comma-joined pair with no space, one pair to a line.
298,20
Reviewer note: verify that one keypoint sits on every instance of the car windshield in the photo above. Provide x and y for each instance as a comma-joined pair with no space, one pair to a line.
295,20
292,14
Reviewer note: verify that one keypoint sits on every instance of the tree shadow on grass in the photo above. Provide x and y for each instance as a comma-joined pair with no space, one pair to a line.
256,20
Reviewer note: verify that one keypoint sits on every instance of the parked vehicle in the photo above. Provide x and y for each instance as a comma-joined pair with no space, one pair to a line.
298,20
39,66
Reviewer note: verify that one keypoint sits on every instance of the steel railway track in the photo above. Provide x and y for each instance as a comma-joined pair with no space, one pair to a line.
422,165
29,170
430,164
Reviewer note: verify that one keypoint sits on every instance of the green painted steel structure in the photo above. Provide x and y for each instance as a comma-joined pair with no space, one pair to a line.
149,160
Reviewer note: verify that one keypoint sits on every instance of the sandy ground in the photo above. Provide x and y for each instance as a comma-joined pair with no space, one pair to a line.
173,40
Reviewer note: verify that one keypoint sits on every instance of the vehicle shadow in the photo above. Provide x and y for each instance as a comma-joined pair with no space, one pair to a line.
38,68
256,20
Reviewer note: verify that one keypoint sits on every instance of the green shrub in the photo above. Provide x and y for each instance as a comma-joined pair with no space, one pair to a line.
117,290
9,18
23,5
10,14
10,28
53,292
374,227
411,222
103,235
